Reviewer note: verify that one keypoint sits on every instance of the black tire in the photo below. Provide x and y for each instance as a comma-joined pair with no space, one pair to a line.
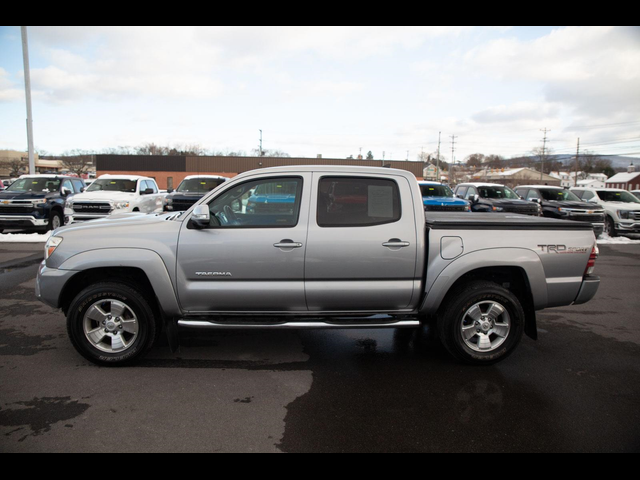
610,227
455,316
56,220
137,315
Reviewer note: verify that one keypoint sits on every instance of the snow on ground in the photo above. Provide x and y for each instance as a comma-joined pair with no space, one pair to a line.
605,239
24,237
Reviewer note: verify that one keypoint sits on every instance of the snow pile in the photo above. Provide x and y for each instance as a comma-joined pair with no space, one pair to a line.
605,239
24,237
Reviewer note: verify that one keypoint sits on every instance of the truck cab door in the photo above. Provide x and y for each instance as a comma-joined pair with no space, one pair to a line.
250,257
362,244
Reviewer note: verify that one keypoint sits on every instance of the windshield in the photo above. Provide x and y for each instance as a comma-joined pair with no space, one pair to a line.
498,193
33,184
436,191
199,185
113,185
554,195
608,196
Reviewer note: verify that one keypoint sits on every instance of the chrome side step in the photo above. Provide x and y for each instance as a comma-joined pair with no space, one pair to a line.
206,324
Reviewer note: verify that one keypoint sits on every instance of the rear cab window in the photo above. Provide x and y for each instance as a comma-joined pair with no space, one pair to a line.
357,202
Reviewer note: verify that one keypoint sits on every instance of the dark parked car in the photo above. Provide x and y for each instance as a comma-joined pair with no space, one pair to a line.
192,189
557,202
36,202
490,197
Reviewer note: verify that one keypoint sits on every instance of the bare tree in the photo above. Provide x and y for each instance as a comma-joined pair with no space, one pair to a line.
14,167
79,162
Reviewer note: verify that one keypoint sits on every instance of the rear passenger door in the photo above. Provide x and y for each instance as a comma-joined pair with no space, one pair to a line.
362,244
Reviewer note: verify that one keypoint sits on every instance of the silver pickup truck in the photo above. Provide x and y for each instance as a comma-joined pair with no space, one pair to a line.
314,247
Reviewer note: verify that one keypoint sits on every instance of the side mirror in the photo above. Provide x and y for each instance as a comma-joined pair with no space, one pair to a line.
65,192
170,190
148,191
200,218
476,198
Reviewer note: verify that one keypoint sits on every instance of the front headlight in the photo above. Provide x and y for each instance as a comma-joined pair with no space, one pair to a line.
68,204
51,245
121,205
624,214
498,209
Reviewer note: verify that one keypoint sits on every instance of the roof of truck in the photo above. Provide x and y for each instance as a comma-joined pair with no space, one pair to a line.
339,169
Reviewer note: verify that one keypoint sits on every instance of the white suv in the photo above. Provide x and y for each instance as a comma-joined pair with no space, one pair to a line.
622,208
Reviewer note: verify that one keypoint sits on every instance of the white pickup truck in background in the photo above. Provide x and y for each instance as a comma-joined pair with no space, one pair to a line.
112,194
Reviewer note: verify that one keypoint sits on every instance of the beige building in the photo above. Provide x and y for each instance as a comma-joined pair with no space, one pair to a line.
14,163
516,176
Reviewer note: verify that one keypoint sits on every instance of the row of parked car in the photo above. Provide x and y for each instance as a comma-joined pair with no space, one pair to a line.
46,202
610,210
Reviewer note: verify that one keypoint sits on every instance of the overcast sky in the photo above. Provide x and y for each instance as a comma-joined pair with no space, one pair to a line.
333,91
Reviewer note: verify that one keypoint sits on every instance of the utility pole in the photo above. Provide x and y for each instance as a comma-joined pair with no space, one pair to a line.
453,162
577,163
261,143
27,88
438,159
544,145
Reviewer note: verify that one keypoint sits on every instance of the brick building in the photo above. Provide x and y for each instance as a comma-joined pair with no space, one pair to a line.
169,171
627,181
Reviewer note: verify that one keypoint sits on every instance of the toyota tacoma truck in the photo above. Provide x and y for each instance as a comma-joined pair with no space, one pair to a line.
380,261
115,194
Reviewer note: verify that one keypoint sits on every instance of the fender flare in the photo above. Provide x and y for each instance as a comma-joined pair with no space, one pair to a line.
521,258
147,261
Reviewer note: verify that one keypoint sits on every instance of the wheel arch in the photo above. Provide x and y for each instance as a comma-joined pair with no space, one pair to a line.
518,270
137,267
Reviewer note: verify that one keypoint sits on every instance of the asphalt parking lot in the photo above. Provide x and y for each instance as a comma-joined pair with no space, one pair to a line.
577,389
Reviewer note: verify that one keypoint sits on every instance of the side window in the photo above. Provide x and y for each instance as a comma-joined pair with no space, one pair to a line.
152,185
461,191
67,184
533,195
357,202
471,193
588,195
78,185
270,202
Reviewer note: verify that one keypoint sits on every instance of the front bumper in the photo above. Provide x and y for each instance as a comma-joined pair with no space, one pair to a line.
85,217
22,221
50,283
629,227
587,290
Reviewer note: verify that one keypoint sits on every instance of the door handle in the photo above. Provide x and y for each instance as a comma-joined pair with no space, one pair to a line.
287,244
395,243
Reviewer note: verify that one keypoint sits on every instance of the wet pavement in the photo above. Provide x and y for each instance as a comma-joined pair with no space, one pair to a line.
577,389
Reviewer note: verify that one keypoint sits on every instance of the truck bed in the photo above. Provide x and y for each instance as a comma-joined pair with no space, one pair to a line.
498,221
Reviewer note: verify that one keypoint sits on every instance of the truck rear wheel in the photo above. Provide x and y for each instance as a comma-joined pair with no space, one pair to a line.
482,323
111,324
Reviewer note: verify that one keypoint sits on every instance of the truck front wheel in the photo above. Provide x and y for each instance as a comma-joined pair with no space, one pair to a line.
482,323
111,324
